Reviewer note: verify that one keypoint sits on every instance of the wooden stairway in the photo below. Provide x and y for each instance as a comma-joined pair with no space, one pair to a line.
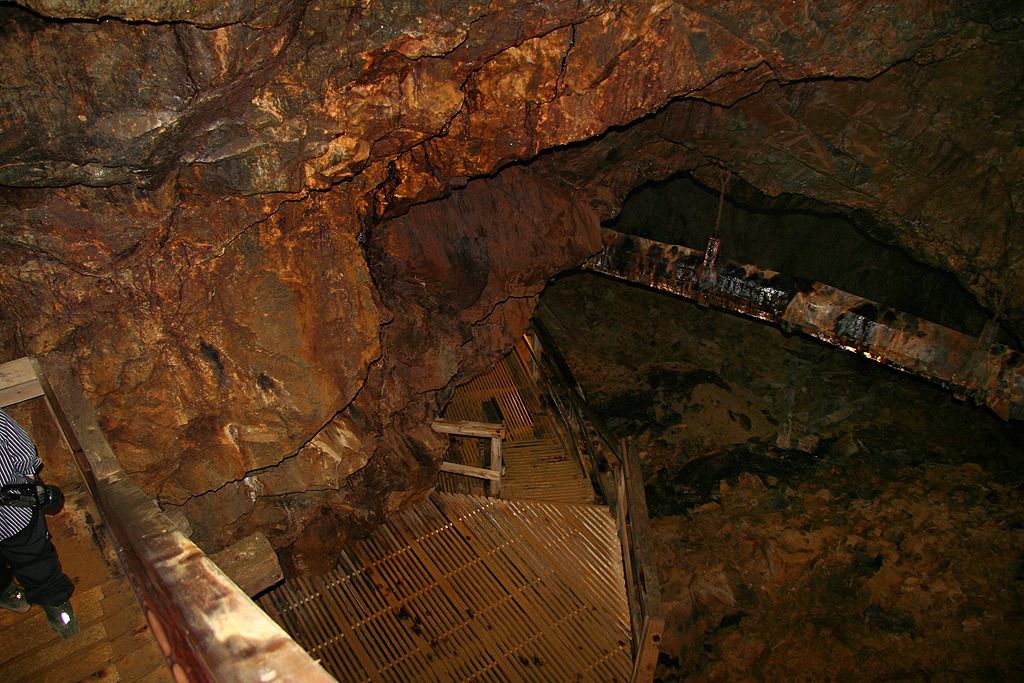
538,464
462,587
114,642
465,588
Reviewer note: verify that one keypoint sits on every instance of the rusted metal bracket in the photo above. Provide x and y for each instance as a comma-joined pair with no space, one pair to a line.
707,276
990,374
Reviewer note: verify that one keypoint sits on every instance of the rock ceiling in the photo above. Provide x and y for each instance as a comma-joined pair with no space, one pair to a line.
272,235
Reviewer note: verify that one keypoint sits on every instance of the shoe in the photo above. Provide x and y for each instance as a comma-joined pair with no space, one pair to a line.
13,598
61,619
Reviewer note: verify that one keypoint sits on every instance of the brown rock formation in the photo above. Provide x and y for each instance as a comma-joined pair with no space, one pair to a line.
253,224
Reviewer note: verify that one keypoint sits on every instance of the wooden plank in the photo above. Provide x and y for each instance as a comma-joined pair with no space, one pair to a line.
486,430
16,393
251,563
17,371
496,466
470,471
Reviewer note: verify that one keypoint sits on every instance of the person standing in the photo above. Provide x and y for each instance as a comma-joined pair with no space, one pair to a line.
26,552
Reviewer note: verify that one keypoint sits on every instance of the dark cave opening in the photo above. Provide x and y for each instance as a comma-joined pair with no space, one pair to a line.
800,236
816,515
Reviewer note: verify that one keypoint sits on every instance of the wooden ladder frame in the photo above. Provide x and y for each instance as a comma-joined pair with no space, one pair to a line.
481,430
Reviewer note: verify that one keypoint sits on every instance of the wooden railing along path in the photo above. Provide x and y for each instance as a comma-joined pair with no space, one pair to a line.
615,469
207,627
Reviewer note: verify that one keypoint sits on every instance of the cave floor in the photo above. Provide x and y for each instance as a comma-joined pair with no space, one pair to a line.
816,516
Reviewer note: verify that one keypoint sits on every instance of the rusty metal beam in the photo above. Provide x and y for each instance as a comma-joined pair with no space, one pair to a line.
990,374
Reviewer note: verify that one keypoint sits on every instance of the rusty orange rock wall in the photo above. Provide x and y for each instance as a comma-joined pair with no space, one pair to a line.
254,225
457,282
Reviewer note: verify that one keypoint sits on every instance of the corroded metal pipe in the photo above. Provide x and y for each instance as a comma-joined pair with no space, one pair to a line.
990,374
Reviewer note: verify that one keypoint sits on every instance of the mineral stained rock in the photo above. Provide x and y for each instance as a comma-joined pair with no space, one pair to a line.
255,229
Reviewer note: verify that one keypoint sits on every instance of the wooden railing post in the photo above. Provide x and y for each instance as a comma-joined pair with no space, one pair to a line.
496,466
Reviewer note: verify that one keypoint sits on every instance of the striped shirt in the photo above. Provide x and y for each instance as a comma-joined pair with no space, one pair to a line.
18,461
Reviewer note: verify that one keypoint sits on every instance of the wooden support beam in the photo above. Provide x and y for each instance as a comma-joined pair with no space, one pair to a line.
486,430
991,374
251,563
496,466
470,471
18,382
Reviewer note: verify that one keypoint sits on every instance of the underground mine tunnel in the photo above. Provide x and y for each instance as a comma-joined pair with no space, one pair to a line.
273,267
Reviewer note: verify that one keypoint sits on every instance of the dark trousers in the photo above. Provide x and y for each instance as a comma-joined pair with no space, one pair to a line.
30,557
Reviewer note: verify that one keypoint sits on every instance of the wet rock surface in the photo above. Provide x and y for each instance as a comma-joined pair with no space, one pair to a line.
255,230
815,517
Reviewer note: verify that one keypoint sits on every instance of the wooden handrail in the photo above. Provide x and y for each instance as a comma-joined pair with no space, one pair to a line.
206,626
644,570
616,470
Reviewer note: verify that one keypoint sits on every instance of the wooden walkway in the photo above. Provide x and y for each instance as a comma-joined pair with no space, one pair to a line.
466,588
538,466
114,642
463,587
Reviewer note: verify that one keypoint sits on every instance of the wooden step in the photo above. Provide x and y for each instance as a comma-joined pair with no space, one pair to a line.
466,588
114,642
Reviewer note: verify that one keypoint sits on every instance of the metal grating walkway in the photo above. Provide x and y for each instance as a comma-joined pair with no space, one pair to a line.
466,588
